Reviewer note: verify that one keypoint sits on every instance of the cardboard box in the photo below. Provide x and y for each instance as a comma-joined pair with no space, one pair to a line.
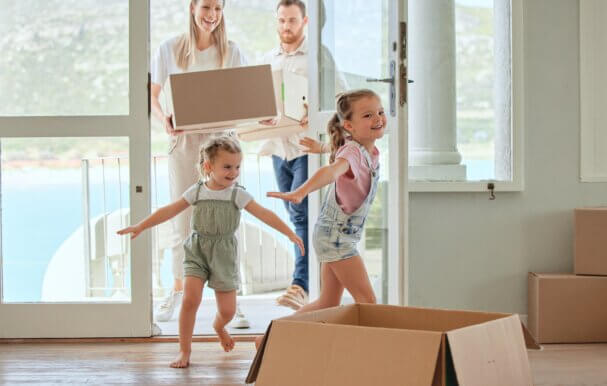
290,94
590,241
208,101
566,308
368,344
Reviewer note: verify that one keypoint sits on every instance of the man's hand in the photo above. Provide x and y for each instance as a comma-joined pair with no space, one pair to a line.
313,146
303,122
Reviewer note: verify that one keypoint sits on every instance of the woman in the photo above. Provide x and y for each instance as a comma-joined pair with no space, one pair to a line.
203,47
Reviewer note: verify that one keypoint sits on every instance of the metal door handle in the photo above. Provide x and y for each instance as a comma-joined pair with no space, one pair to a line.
384,80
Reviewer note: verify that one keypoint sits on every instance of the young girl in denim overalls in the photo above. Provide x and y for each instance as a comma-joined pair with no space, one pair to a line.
353,173
210,251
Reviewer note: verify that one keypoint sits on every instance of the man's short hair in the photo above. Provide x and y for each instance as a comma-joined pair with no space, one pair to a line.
299,3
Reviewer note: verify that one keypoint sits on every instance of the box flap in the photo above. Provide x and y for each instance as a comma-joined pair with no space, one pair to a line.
300,353
414,318
254,369
341,314
491,353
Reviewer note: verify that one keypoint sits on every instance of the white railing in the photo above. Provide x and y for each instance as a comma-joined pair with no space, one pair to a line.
266,258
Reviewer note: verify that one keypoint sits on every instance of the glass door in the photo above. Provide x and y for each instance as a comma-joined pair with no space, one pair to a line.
74,168
361,44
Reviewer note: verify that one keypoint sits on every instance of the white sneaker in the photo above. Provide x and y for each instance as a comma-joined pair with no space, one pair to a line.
156,330
240,320
165,311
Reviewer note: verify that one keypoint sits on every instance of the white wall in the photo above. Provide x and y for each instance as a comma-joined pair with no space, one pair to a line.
471,253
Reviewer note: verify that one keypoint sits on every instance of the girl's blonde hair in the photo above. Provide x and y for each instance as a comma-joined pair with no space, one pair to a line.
343,111
210,149
185,48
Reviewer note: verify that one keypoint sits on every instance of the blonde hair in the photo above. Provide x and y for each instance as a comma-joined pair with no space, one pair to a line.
343,111
212,147
186,45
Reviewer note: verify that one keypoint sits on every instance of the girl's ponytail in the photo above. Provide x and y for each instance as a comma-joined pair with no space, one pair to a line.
336,134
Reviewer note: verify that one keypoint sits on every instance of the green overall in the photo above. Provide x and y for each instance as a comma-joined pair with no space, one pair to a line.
211,250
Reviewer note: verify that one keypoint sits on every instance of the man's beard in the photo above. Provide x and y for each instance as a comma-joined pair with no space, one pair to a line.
292,37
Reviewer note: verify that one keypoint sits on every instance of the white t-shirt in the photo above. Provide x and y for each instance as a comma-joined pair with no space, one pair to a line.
242,196
164,64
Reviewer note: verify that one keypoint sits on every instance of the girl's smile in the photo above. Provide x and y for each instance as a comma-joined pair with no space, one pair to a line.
223,170
368,120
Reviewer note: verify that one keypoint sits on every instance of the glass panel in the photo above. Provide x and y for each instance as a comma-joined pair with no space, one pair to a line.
51,189
475,87
353,47
460,104
266,260
352,33
64,57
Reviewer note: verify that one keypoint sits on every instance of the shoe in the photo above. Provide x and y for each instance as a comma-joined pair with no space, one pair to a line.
165,311
156,330
294,298
240,320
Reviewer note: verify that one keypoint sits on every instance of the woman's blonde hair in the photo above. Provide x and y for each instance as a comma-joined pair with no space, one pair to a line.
186,45
343,111
210,149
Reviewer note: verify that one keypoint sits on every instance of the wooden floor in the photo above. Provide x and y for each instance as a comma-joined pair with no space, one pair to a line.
146,363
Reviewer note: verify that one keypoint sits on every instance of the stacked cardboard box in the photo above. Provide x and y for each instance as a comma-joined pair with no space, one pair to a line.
571,308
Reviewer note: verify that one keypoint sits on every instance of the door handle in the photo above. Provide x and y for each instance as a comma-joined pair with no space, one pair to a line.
384,80
392,82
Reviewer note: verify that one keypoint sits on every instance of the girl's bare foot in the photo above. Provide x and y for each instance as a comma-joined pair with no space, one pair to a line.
258,342
224,338
182,361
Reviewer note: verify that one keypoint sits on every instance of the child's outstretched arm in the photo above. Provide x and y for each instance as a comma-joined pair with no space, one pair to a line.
275,222
322,177
159,216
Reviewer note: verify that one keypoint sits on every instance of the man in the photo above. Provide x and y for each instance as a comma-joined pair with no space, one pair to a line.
289,161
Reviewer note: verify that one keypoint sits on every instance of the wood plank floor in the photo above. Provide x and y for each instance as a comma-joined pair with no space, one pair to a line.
147,364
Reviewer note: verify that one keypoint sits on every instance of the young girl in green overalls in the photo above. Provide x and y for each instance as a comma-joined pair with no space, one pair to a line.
211,251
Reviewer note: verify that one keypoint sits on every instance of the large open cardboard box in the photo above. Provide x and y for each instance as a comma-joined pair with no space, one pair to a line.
368,344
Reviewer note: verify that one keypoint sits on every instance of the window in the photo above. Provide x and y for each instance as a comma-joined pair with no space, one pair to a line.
593,91
465,103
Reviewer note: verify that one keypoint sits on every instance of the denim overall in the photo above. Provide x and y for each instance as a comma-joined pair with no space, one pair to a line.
211,251
337,233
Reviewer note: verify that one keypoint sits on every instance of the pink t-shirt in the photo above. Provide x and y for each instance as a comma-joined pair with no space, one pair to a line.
353,186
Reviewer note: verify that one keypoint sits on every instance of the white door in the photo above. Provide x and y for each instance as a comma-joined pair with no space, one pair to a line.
362,44
74,120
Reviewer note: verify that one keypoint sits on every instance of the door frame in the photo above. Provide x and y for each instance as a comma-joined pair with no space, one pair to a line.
100,319
398,264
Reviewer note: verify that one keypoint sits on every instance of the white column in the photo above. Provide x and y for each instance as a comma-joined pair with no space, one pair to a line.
502,90
432,120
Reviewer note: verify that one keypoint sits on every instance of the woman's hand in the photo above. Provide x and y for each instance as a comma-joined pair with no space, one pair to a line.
134,231
299,242
312,146
168,126
293,197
